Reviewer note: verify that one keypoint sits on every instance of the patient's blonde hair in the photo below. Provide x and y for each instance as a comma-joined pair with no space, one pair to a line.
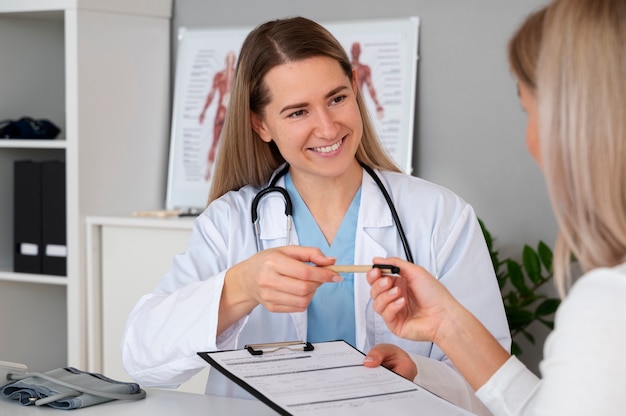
581,86
523,49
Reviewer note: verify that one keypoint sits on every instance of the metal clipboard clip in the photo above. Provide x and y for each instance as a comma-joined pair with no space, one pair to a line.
259,349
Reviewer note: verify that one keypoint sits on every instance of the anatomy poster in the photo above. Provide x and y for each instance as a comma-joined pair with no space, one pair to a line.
384,54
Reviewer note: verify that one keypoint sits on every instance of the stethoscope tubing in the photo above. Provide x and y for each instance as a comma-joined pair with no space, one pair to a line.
394,212
272,187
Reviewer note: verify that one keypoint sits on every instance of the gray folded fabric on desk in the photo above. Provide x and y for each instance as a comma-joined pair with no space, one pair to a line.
32,388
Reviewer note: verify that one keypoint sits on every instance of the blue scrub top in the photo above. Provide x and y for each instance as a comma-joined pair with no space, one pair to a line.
332,302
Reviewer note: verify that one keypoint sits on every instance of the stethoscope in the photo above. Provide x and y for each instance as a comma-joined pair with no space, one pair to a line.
272,187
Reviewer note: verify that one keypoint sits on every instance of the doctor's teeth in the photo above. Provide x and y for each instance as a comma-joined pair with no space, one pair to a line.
330,148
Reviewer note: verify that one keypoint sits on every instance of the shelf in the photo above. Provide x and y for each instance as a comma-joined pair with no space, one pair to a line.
32,144
8,276
100,71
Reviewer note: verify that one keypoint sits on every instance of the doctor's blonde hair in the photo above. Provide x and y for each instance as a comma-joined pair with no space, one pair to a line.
243,158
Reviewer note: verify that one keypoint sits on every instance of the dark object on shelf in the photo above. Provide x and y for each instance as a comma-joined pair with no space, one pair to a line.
53,223
28,128
27,212
40,217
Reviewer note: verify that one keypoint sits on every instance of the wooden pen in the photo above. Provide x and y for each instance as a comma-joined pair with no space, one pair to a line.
385,268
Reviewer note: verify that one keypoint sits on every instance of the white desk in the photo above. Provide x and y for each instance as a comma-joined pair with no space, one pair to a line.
157,403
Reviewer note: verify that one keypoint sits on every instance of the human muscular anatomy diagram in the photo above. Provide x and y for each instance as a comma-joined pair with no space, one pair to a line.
222,84
364,77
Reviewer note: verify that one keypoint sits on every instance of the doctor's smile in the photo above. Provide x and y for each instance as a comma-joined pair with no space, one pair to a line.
328,149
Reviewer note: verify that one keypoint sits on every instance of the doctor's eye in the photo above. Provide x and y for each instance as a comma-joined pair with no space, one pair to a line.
296,114
338,99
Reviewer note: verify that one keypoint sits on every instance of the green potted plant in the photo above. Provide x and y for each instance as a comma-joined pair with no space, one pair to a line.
519,284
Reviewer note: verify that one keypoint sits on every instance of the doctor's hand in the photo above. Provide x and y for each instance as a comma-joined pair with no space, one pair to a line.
281,279
414,305
392,357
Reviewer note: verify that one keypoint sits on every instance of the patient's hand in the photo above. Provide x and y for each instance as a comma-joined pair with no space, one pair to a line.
393,358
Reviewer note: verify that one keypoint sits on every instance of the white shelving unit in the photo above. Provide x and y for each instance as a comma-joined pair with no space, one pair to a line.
99,69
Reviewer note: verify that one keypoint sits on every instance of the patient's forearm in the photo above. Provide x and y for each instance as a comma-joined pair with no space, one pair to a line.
471,347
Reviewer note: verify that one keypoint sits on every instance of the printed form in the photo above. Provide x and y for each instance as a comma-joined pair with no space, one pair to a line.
328,380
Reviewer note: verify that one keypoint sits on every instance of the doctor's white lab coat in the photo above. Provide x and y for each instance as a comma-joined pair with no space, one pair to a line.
169,326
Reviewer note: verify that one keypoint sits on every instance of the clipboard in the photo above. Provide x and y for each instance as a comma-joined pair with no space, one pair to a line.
324,379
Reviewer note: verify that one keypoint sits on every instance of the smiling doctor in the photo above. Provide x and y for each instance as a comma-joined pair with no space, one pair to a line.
297,123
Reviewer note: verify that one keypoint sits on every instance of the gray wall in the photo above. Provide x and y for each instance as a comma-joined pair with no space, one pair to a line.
470,126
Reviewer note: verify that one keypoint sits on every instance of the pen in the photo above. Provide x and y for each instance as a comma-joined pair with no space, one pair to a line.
386,268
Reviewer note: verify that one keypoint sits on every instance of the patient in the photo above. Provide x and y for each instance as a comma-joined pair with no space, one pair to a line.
575,101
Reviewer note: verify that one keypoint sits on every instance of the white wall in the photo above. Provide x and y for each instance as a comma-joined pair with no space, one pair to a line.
470,126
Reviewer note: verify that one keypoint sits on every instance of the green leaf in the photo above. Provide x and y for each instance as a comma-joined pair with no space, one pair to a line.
519,316
515,349
545,254
486,234
530,299
516,276
531,264
510,309
547,307
511,299
501,281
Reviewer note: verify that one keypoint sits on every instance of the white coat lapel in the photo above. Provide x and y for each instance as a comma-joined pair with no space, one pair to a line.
272,219
374,227
374,223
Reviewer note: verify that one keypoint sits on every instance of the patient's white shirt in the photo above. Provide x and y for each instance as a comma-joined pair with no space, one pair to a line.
584,366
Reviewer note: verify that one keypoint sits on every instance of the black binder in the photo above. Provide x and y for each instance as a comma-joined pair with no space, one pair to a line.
53,224
27,256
